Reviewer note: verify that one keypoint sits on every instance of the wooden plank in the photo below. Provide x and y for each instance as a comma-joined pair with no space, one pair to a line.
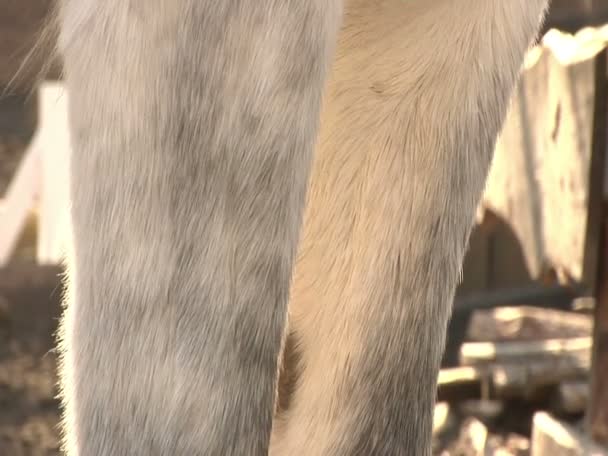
458,383
52,139
527,378
527,323
473,353
542,178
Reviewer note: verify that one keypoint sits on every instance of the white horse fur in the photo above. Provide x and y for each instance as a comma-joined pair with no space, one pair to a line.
233,155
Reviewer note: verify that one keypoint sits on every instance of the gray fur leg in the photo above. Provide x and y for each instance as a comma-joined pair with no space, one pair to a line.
193,124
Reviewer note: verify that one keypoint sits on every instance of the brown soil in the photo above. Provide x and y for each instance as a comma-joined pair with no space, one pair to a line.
29,311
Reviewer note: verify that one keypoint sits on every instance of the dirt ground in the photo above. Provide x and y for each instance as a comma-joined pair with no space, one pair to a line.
29,311
29,411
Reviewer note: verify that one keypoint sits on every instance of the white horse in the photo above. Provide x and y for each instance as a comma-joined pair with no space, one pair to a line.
218,143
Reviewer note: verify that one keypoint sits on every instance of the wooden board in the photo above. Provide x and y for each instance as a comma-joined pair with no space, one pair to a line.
544,180
519,324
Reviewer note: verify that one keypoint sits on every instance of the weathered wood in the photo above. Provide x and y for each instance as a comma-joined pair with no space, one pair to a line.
519,379
542,179
527,378
527,323
443,417
474,353
459,383
551,437
52,139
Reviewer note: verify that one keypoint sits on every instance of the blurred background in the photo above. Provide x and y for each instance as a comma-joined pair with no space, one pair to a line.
526,363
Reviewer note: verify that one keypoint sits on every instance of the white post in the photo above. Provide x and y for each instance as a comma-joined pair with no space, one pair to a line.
18,202
54,143
42,178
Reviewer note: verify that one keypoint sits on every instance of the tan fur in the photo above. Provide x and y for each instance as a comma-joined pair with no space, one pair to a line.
193,124
414,103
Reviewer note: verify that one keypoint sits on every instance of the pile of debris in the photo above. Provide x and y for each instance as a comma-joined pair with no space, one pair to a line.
515,363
